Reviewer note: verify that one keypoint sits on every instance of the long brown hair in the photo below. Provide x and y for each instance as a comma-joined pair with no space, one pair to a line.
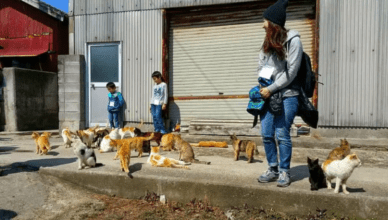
274,39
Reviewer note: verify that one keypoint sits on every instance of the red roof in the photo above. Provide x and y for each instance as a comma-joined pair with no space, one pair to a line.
28,47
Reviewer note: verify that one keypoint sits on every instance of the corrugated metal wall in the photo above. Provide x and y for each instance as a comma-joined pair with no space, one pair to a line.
213,52
141,35
102,6
353,63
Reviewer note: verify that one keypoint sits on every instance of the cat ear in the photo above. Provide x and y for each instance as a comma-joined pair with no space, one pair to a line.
316,161
308,160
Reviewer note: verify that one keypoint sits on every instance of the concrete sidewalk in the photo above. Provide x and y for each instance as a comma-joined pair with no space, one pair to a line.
225,182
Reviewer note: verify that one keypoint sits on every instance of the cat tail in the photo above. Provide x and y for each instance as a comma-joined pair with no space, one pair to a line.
150,137
141,123
180,166
200,162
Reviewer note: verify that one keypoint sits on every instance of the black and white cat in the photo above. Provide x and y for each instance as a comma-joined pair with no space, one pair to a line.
85,155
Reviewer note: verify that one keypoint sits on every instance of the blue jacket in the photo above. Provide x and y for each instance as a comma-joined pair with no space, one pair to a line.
116,101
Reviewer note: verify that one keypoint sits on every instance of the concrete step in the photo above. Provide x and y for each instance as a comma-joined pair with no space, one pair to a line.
225,182
372,152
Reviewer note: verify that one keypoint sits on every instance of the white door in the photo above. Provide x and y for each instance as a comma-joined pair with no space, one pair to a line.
104,65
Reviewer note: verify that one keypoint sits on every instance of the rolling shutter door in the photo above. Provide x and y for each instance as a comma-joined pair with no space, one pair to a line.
213,54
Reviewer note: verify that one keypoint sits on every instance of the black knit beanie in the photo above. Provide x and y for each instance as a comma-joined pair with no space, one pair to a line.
276,13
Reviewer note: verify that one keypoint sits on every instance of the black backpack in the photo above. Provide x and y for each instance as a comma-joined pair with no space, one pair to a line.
306,77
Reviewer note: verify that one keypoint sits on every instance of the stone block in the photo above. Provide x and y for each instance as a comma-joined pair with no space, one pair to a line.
72,107
73,87
72,78
61,106
73,116
74,97
72,68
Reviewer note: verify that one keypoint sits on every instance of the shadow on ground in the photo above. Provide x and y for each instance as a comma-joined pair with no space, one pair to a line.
33,165
7,214
299,173
7,150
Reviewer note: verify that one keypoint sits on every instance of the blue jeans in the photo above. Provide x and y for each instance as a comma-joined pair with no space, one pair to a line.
114,119
279,125
156,111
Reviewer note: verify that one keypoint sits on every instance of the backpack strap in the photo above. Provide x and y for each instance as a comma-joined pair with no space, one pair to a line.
255,120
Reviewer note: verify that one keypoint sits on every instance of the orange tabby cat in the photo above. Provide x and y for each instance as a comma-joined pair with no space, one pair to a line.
167,142
212,144
134,143
125,150
42,142
340,152
157,160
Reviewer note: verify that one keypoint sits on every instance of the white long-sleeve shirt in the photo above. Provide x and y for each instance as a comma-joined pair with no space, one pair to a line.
159,94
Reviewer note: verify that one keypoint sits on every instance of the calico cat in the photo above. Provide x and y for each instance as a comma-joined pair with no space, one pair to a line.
317,177
125,150
127,132
87,136
85,155
340,170
186,152
99,136
340,152
157,160
247,146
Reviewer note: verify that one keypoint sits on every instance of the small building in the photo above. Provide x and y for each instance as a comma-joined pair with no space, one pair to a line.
32,35
207,51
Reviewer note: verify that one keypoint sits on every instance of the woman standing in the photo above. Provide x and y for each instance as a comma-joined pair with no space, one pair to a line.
279,60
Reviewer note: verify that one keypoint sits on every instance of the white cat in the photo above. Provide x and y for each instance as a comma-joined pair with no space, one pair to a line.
341,170
67,137
105,145
85,155
114,134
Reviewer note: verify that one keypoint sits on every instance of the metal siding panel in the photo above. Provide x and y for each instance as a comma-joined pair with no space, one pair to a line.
220,55
151,56
383,48
80,34
79,7
359,62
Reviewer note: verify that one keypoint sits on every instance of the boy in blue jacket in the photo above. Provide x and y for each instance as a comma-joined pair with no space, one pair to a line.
115,103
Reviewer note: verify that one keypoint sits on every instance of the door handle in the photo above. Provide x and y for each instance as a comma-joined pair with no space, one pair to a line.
93,86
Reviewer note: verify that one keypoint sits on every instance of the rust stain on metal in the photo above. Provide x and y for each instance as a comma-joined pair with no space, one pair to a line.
187,98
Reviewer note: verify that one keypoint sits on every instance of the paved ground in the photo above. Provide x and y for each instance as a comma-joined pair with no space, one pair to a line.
366,183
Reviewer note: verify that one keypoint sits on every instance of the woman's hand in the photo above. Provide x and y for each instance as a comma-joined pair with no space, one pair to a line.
265,93
164,106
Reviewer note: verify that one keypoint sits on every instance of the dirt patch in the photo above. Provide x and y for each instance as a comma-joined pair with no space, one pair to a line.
150,208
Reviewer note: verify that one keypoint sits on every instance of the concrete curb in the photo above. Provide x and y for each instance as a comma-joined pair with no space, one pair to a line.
7,133
225,194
